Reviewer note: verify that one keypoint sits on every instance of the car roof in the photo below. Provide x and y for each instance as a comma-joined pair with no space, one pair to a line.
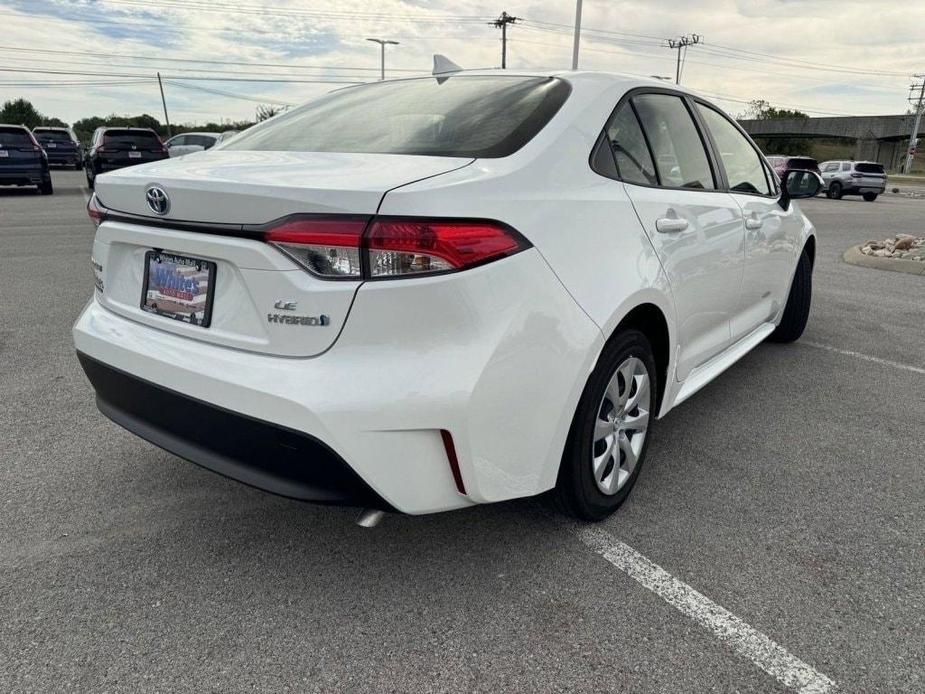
14,125
49,127
203,132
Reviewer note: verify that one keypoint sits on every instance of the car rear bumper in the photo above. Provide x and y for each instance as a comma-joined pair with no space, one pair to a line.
64,158
22,176
497,356
258,453
860,190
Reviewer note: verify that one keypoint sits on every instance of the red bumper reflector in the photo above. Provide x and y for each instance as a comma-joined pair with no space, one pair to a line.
453,460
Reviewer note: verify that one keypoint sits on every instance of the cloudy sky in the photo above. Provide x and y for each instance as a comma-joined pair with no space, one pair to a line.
220,58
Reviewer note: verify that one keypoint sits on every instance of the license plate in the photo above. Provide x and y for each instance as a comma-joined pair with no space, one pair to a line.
4,153
51,145
134,155
178,287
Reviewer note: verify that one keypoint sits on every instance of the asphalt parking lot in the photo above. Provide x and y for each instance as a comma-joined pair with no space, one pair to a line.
790,493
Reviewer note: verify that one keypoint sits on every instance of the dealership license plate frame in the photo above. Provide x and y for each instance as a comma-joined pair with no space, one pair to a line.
134,155
160,256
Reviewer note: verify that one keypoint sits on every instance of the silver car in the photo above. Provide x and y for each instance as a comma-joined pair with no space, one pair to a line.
186,143
865,178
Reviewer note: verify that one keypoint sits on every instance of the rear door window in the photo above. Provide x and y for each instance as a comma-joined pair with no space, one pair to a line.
628,144
743,165
846,166
15,137
52,136
680,158
869,168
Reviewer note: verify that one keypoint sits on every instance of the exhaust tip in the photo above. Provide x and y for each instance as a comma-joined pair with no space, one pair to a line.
369,518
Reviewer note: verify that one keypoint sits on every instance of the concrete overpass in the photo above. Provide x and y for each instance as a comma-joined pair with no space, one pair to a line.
877,138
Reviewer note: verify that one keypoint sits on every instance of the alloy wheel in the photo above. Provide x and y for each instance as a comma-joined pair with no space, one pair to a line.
620,426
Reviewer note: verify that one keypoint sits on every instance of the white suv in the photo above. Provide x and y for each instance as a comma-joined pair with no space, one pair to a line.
424,294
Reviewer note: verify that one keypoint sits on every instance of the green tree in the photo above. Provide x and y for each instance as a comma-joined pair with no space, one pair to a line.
20,112
759,109
265,111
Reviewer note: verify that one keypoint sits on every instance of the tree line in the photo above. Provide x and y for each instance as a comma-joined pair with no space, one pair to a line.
23,112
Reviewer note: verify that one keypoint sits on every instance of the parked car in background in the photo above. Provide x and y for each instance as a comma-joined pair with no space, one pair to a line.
865,178
783,164
405,317
23,162
186,143
60,146
116,148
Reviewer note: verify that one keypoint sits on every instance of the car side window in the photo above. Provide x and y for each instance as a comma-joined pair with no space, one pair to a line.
680,158
743,165
628,144
846,166
830,167
178,140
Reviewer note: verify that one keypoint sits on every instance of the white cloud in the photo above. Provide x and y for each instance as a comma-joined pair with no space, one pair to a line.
844,33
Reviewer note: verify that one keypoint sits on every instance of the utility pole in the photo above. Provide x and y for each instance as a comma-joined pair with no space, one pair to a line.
681,43
501,23
382,44
577,35
164,103
914,135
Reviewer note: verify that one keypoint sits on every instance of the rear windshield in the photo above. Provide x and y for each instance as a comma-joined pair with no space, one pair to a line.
14,137
460,116
52,135
802,163
869,168
124,139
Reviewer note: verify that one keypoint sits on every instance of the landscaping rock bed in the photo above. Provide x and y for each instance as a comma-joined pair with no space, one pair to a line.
903,246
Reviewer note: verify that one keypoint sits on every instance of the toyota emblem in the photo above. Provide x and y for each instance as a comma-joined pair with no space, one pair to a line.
157,200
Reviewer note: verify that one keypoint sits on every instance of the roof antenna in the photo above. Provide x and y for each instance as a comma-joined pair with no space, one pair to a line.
442,66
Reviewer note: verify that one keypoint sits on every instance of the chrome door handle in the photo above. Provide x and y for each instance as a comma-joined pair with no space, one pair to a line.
753,222
668,225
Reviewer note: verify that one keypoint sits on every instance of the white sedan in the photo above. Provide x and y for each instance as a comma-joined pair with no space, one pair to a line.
423,294
187,143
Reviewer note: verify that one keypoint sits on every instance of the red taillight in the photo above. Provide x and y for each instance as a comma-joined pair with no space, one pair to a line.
391,247
327,247
96,211
401,247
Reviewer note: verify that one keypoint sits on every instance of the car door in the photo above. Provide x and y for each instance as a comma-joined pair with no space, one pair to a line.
695,228
176,145
772,234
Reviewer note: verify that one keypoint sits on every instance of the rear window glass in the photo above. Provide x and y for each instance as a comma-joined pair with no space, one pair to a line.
127,138
802,163
14,137
869,168
52,135
460,116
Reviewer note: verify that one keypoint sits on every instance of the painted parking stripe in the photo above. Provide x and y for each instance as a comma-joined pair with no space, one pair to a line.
865,357
742,638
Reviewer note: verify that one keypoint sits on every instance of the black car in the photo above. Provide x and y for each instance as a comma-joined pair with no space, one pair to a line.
22,160
61,148
116,148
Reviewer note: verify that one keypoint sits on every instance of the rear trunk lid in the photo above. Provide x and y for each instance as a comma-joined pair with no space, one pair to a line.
17,150
261,300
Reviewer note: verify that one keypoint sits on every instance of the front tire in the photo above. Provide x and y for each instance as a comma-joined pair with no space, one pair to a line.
796,313
835,191
610,432
870,197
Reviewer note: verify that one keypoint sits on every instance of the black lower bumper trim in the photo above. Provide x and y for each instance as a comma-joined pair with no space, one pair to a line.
264,455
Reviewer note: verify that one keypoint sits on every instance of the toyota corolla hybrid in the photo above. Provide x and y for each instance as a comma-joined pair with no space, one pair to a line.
424,294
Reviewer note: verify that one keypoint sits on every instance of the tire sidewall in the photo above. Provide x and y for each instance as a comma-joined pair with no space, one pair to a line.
575,472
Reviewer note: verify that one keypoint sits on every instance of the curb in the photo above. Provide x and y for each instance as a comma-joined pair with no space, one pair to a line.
853,256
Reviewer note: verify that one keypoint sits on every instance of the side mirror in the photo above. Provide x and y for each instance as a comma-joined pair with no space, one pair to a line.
799,184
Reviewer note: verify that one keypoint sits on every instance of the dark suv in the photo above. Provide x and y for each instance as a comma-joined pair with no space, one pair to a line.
22,160
783,165
116,148
59,146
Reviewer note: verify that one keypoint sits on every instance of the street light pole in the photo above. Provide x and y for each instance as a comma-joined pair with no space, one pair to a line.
577,35
382,43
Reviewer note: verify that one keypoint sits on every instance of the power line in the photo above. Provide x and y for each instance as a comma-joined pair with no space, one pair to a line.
183,77
232,95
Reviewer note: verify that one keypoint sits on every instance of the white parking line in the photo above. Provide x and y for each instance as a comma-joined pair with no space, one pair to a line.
744,640
865,357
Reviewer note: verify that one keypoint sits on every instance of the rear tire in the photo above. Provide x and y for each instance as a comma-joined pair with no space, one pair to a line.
796,313
604,454
835,191
78,166
89,180
46,188
870,197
